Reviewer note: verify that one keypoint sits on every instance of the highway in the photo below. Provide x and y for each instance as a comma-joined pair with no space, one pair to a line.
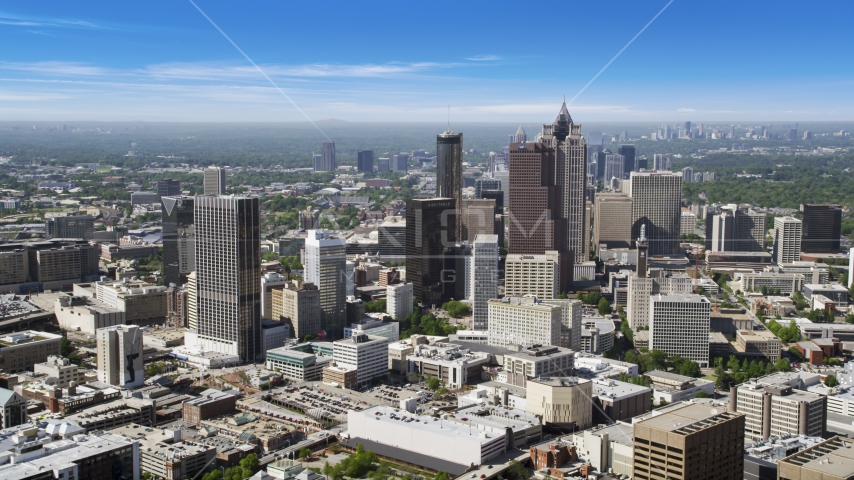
313,439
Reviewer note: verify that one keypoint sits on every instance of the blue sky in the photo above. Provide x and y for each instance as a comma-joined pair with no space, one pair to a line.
407,61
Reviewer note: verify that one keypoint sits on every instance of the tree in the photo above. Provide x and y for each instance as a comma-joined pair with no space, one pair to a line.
604,307
701,394
213,475
376,306
516,471
440,475
305,453
723,381
456,309
65,347
433,383
797,353
251,463
782,365
831,381
689,368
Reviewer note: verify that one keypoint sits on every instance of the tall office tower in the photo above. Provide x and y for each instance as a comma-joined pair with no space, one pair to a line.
571,320
79,226
328,152
120,356
383,165
787,240
483,184
688,128
179,239
365,161
807,135
628,153
228,272
498,197
656,203
613,167
520,136
317,162
168,187
613,220
689,441
325,266
730,228
658,162
502,174
484,278
687,175
592,168
398,163
214,181
679,325
477,217
732,131
822,225
523,321
449,168
431,228
700,131
565,138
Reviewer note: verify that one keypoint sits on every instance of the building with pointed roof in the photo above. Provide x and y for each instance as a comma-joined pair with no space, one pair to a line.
520,136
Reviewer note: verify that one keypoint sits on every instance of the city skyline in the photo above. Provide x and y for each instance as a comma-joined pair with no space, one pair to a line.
108,62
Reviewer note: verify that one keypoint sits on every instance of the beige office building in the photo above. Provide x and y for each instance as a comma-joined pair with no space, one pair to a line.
612,220
298,305
565,401
523,321
19,351
774,407
832,459
689,441
533,274
787,240
214,181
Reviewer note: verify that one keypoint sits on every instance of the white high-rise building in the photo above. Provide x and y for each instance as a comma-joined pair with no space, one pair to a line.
523,321
120,356
657,203
399,300
326,267
367,354
484,278
228,272
192,304
570,322
613,167
787,240
214,181
679,325
537,275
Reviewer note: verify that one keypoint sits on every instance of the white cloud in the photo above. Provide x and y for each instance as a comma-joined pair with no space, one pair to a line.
685,110
483,58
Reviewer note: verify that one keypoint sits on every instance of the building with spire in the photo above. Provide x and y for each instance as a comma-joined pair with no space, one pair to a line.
520,136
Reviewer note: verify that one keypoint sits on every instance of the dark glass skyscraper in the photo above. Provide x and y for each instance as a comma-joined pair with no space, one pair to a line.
431,226
365,161
822,227
179,239
328,162
449,167
228,275
628,153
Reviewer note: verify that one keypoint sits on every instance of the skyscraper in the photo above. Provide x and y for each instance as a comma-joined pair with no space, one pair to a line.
822,226
120,356
787,240
477,217
214,181
520,136
365,161
571,167
168,187
687,175
613,220
431,227
613,167
179,239
317,162
449,168
328,152
228,273
484,278
656,203
325,267
628,153
730,228
534,221
679,325
398,163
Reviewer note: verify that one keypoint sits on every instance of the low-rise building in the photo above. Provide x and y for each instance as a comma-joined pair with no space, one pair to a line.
561,401
835,292
340,375
535,362
597,334
143,303
607,448
267,434
785,283
298,363
86,314
615,400
106,416
452,364
596,366
163,454
377,328
832,459
20,351
758,343
13,409
672,387
59,371
210,403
